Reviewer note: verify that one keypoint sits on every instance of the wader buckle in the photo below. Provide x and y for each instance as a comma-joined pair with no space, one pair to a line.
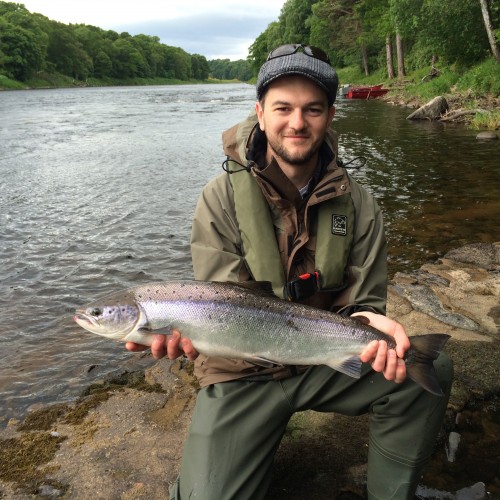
304,286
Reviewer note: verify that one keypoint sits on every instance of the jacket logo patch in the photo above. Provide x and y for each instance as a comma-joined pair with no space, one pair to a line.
339,225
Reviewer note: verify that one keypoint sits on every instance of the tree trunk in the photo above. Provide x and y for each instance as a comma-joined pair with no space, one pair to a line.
364,52
364,55
489,29
400,55
389,55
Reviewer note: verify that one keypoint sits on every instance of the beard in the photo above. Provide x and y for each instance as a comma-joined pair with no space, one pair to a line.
293,158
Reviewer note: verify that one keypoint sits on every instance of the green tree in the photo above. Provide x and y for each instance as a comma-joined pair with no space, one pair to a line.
219,68
128,62
335,27
66,54
199,67
294,21
149,47
240,70
177,63
20,52
265,43
103,65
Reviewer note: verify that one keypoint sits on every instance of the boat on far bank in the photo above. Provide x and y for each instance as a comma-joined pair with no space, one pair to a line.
362,92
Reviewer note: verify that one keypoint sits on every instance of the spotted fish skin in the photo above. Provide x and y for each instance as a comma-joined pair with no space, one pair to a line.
247,321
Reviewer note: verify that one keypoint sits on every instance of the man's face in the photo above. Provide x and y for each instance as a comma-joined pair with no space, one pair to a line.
295,117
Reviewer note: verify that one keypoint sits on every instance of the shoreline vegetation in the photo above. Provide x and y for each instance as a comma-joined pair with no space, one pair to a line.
408,46
473,97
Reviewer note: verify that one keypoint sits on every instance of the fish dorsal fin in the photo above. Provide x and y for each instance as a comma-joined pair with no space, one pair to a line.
264,288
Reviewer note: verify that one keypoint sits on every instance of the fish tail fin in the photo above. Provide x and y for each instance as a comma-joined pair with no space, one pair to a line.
419,360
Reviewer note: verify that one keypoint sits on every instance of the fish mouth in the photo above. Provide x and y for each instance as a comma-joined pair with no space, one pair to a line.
85,320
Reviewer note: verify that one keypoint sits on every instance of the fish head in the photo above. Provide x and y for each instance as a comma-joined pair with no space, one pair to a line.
114,317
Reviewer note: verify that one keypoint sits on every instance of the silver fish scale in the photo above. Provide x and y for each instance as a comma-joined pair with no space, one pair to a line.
236,320
226,319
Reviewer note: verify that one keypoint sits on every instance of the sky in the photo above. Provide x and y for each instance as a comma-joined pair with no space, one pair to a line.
216,29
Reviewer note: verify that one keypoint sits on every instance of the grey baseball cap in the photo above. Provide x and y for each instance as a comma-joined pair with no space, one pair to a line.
299,63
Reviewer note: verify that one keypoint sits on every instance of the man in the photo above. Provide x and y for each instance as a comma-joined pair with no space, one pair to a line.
288,213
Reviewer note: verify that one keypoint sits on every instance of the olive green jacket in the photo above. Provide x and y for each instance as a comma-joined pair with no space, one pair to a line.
217,246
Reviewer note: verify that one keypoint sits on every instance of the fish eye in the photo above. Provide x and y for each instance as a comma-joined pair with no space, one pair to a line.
95,312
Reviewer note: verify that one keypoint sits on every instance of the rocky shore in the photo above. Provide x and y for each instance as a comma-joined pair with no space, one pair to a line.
123,438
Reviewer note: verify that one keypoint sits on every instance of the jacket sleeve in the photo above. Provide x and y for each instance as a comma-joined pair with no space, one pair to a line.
368,259
215,238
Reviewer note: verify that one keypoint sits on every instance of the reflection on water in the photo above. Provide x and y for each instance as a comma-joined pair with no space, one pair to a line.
438,186
98,187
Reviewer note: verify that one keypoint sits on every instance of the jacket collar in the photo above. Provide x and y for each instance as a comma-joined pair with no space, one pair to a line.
246,144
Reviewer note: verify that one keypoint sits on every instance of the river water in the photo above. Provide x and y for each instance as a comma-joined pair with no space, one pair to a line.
98,187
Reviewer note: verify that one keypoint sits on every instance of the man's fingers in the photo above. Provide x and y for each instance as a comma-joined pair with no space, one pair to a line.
172,346
390,365
379,363
173,350
158,348
400,371
369,352
188,349
133,347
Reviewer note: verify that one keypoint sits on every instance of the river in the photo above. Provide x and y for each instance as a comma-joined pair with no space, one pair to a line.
98,187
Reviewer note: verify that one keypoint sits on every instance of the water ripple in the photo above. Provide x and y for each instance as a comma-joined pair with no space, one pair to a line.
101,197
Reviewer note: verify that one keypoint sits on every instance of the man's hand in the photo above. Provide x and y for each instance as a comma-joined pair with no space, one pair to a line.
172,346
387,361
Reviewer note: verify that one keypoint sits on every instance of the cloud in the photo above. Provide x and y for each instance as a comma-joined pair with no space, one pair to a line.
213,28
212,35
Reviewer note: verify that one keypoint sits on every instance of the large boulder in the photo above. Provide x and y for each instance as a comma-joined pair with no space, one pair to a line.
433,110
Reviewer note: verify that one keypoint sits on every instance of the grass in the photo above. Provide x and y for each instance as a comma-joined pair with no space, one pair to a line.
481,79
55,80
353,75
8,84
489,121
475,88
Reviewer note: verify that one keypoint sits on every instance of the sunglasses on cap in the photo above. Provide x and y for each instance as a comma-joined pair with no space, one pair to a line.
292,48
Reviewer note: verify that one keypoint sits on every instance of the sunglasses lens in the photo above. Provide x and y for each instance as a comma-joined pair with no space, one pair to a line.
317,53
287,50
284,50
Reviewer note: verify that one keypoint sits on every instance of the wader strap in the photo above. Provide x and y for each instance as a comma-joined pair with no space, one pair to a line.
260,248
257,232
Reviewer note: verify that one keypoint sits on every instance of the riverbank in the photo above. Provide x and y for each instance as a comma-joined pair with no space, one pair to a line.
475,91
44,80
123,438
476,112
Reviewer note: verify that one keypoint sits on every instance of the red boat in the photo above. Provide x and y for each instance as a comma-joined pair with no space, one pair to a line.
364,92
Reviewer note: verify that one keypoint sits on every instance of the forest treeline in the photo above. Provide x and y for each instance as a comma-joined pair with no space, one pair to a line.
396,35
393,36
31,43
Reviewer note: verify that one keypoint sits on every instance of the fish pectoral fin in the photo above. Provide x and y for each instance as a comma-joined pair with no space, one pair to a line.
166,330
265,363
142,337
350,366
